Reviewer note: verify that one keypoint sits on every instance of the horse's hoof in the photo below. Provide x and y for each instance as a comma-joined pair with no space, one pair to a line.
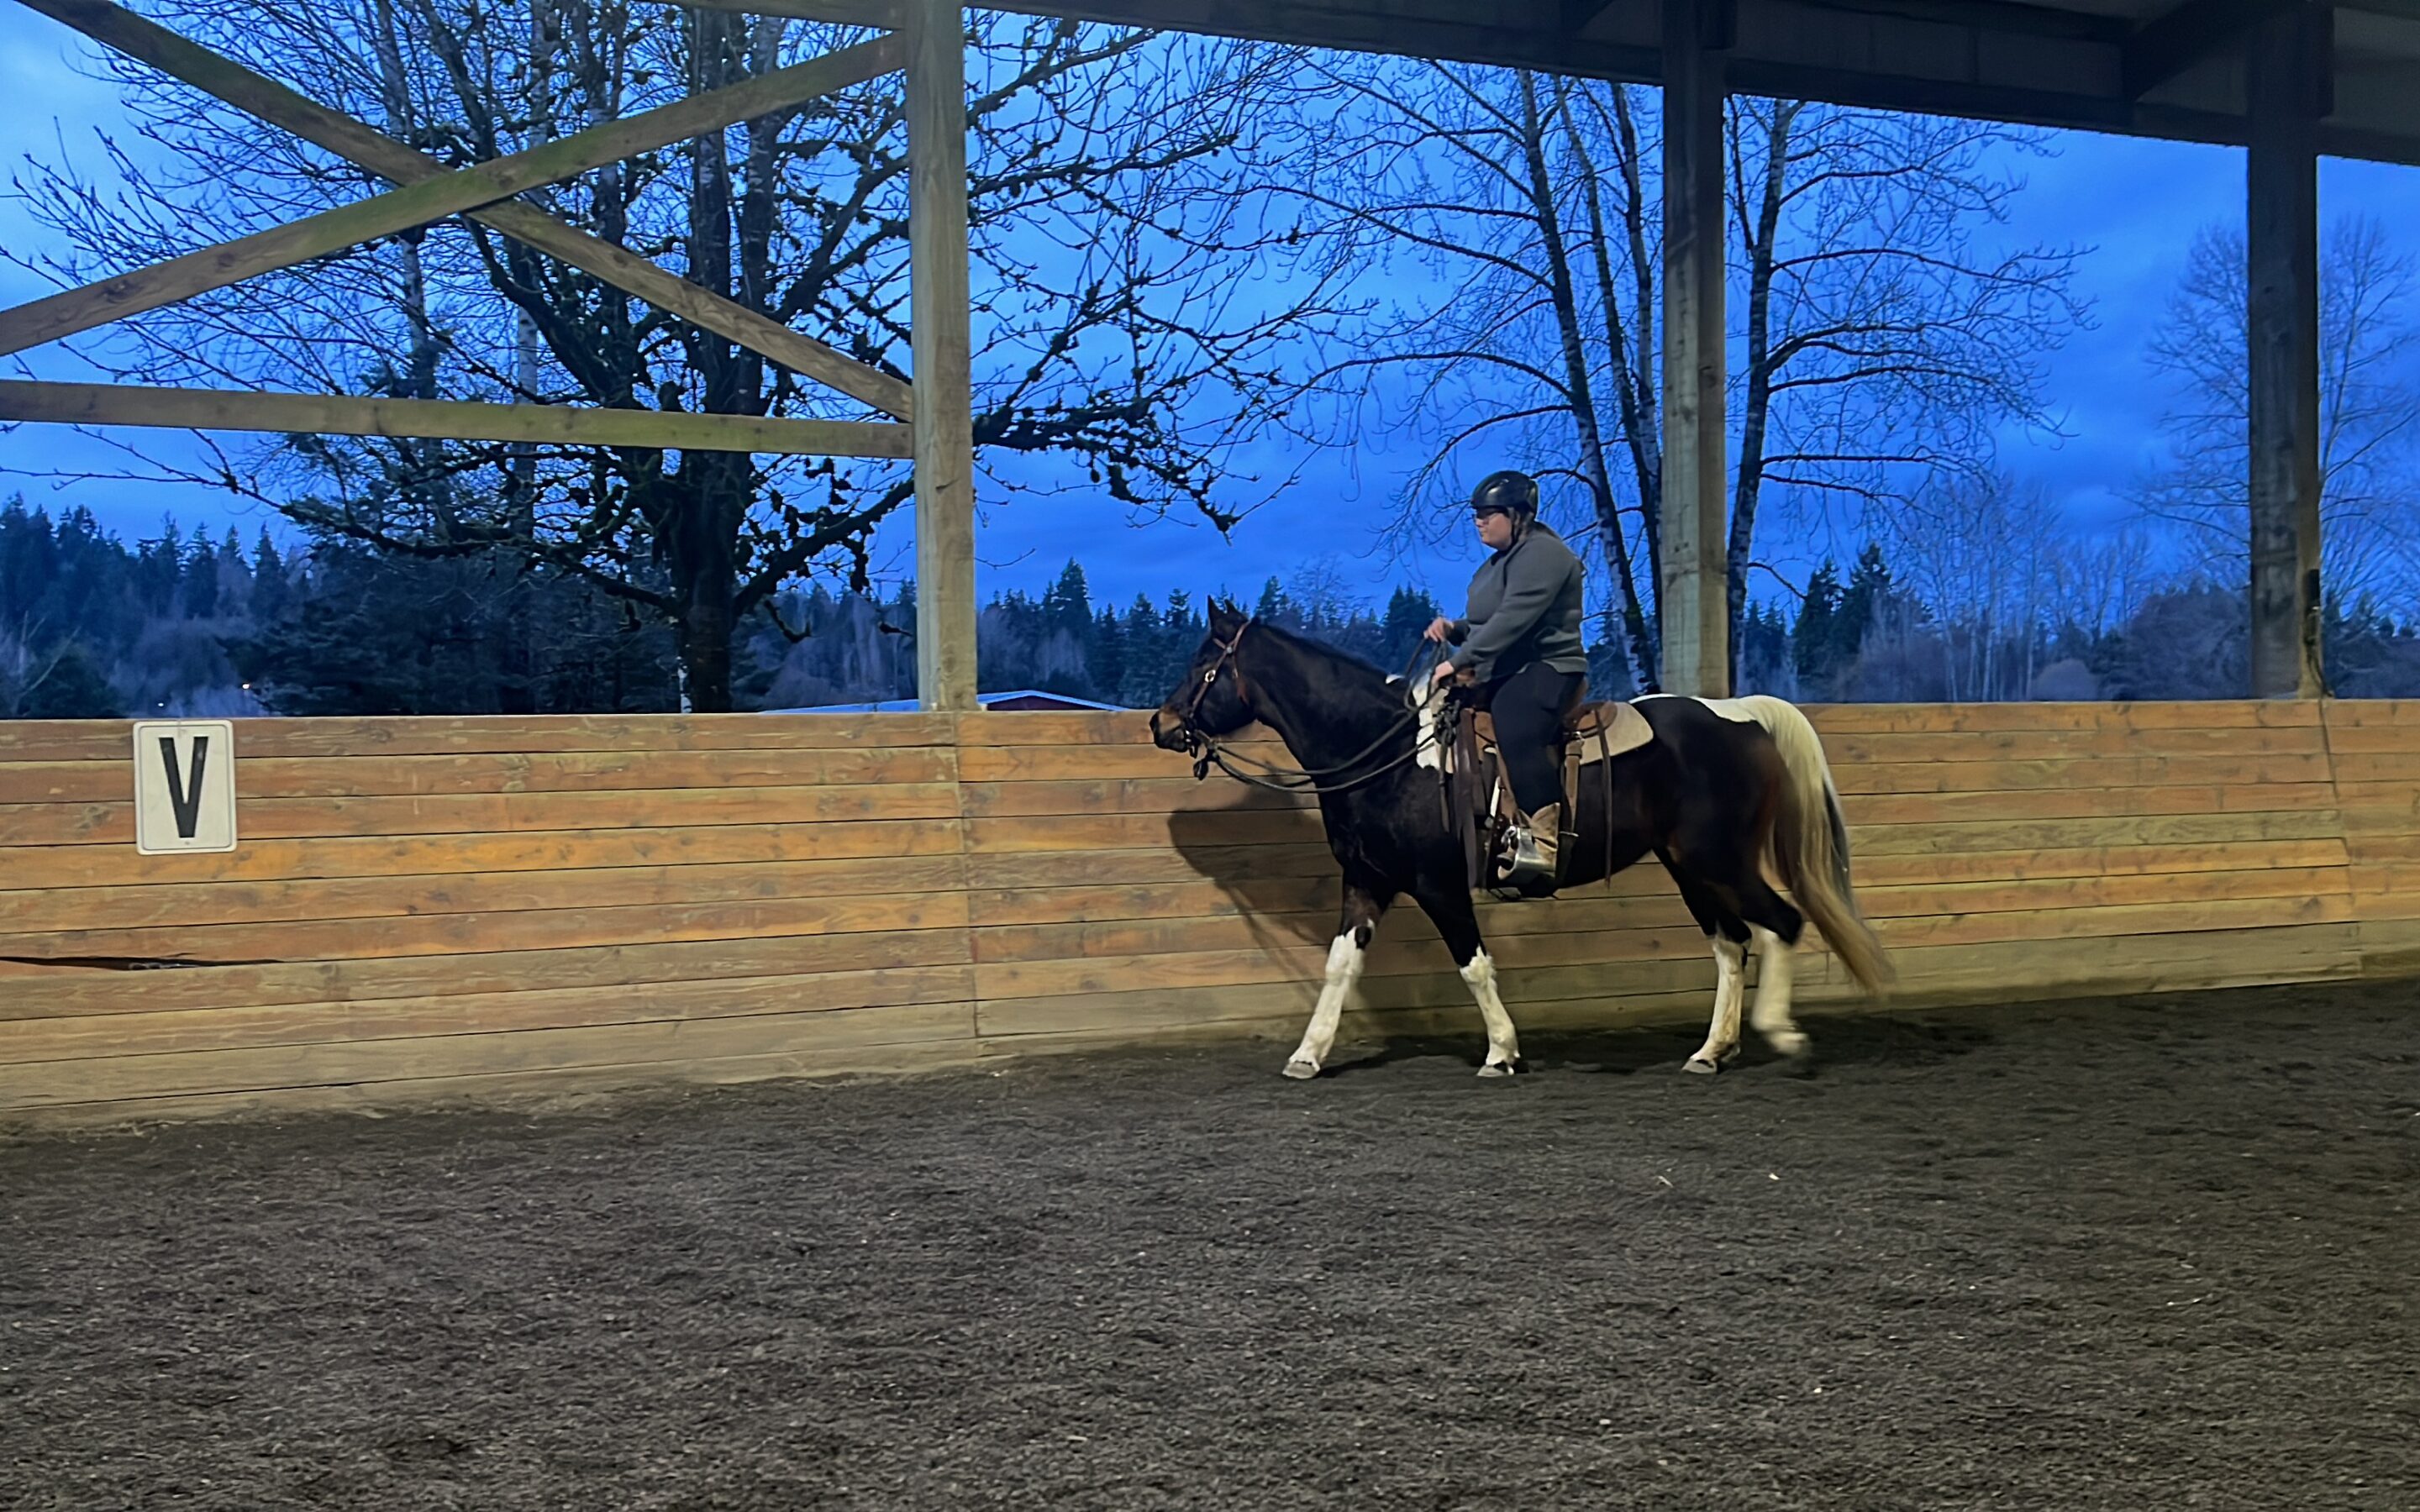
1701,1065
1301,1071
1789,1042
1503,1068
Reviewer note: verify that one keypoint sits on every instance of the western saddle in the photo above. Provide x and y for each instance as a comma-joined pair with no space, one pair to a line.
1479,800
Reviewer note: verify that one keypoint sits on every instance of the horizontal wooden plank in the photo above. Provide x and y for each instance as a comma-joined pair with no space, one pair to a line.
1614,999
1307,963
2018,970
2370,739
1150,795
45,991
1087,763
2087,803
1051,727
2064,924
2086,772
644,773
2232,714
2402,767
542,929
113,823
86,740
2390,947
1208,829
91,866
92,1035
1318,893
40,1084
1242,930
2094,861
1860,748
2370,713
2112,833
235,902
1307,857
2075,893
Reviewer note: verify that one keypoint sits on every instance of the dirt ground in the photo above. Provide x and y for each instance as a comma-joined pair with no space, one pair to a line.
2150,1255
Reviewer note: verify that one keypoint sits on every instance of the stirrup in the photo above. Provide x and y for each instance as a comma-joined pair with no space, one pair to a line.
1527,865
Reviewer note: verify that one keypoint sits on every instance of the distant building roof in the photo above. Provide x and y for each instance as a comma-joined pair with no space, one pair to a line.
1023,698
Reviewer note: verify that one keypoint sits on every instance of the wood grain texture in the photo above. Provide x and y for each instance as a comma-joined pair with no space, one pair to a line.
442,908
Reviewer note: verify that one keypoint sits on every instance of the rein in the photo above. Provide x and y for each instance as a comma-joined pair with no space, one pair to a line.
1207,752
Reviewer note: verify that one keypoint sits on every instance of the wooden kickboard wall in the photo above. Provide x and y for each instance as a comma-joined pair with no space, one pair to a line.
424,908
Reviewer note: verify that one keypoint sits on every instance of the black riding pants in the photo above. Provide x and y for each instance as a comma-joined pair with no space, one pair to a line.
1528,708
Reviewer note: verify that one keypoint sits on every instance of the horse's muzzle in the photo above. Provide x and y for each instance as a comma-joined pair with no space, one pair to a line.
1167,731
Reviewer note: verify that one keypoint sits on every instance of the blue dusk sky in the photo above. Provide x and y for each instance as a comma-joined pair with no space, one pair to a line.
2134,204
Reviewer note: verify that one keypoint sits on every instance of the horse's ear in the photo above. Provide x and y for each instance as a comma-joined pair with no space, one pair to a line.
1224,617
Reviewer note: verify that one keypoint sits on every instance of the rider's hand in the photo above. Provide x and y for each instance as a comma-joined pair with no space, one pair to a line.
1438,629
1445,670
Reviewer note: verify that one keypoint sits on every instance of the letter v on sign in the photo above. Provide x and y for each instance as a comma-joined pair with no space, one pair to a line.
185,786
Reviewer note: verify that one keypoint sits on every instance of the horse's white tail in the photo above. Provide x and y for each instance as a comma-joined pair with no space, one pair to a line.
1810,843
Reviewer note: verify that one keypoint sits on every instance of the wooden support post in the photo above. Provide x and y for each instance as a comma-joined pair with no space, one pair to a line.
942,352
2289,59
1692,604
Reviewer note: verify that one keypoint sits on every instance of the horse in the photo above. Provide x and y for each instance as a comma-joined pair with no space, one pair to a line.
1732,796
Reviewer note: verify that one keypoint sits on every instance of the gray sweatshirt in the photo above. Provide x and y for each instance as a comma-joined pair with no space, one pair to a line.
1525,607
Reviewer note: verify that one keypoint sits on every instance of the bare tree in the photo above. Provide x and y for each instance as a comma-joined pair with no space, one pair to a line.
2369,409
1118,323
1878,346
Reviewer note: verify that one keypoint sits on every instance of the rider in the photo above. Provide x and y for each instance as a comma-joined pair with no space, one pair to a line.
1521,644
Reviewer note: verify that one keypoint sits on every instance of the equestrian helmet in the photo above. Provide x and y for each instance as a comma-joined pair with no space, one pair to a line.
1505,492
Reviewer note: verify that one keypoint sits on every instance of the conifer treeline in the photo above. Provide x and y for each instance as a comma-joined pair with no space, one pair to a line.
185,624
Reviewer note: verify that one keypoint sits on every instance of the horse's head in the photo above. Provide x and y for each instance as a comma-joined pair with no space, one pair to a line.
1209,700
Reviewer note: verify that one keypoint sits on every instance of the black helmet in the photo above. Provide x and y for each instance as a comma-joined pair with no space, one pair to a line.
1505,492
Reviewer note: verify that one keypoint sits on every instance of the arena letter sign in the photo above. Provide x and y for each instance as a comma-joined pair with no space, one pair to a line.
184,785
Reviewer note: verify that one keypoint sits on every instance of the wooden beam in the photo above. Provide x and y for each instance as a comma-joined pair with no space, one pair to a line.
147,41
941,323
879,13
318,414
1692,600
400,209
2177,39
2282,246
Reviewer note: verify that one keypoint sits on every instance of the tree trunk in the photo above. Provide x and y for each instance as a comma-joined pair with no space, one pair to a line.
1636,403
1761,233
1613,542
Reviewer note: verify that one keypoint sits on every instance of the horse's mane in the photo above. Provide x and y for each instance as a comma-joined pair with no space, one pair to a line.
1342,659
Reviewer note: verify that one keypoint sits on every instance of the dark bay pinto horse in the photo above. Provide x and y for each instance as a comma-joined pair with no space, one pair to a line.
1732,796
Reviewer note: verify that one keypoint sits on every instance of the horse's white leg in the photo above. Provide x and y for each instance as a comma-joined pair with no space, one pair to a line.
1503,1046
1345,958
1731,985
1771,1014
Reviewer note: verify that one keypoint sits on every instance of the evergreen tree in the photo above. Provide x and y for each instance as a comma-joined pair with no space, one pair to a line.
271,591
198,579
1813,640
71,687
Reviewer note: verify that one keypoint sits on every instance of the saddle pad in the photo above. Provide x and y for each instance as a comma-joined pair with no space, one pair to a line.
1624,727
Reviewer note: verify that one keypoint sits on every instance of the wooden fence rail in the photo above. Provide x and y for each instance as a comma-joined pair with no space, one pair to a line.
432,907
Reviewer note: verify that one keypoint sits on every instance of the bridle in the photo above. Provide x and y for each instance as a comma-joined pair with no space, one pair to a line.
1206,750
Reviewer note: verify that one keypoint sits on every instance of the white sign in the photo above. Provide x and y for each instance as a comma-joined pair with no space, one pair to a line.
184,785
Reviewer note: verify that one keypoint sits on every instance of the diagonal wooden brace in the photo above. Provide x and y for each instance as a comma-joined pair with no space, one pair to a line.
336,414
147,41
882,13
400,209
